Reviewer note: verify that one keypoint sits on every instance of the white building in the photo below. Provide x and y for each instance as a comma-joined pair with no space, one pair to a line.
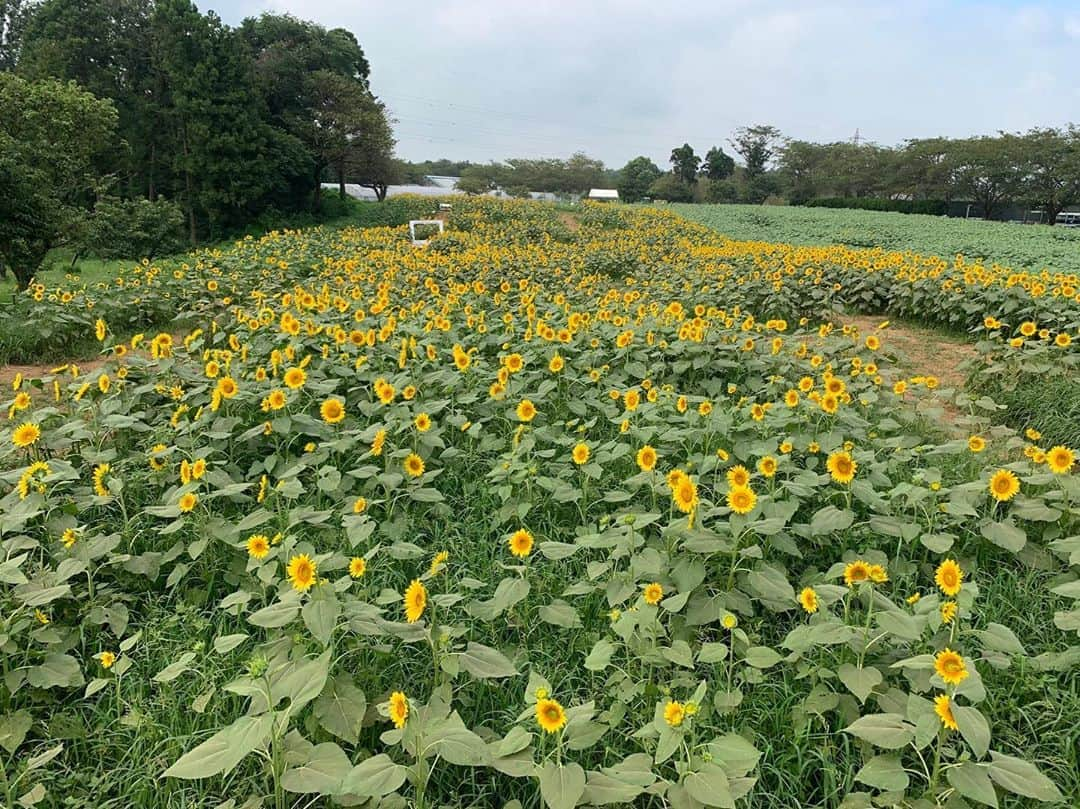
604,194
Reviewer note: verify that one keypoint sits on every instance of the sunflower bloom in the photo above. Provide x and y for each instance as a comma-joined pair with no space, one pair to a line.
949,665
646,458
258,546
415,601
301,572
943,708
808,600
1004,485
526,411
1060,460
332,411
856,572
674,713
653,593
685,495
398,709
521,543
841,466
738,477
414,465
580,454
741,499
357,567
26,434
550,715
949,577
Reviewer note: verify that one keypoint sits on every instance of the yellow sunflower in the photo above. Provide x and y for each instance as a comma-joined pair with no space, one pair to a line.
943,708
258,546
856,572
521,543
949,577
646,458
950,666
398,709
1004,485
738,477
741,499
580,454
415,601
301,572
685,495
295,378
26,434
809,600
550,715
357,567
332,411
767,466
414,465
1060,459
653,593
674,713
526,411
422,422
188,501
842,467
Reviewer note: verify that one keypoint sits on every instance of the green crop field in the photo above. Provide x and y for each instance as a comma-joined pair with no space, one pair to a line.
1030,247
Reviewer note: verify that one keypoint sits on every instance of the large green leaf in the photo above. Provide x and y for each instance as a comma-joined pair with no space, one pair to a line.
225,749
561,786
374,777
340,708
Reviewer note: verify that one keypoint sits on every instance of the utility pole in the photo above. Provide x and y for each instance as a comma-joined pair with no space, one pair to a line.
856,139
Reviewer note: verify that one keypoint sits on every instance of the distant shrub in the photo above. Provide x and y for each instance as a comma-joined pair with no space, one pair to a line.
132,228
933,207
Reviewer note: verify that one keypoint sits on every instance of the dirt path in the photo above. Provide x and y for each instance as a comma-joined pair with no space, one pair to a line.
9,372
920,351
571,221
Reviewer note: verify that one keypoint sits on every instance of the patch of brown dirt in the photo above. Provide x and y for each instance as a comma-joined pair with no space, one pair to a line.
9,372
920,351
571,221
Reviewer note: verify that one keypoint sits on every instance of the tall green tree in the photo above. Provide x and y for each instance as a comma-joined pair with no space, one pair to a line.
684,163
988,171
51,137
1050,168
14,15
636,177
757,146
718,164
231,161
369,158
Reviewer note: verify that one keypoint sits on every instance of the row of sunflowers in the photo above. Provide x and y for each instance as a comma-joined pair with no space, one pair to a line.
536,514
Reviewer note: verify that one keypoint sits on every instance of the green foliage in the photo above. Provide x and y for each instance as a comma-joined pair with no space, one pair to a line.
684,163
636,178
930,207
136,228
1023,247
51,134
671,188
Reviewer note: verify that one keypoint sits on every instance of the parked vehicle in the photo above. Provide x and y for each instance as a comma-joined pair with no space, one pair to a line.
1069,219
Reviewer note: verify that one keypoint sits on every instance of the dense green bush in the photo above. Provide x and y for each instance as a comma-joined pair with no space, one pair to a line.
133,228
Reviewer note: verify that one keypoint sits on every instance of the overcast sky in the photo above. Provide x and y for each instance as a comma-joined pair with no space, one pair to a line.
490,79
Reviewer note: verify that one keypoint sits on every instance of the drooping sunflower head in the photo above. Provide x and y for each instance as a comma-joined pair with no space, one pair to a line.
943,708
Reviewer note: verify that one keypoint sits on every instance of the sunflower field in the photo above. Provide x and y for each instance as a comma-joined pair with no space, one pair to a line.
610,512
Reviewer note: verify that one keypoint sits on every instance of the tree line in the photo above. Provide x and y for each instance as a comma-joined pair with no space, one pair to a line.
1038,168
137,115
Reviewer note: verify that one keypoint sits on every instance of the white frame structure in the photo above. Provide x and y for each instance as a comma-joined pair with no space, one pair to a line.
412,229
